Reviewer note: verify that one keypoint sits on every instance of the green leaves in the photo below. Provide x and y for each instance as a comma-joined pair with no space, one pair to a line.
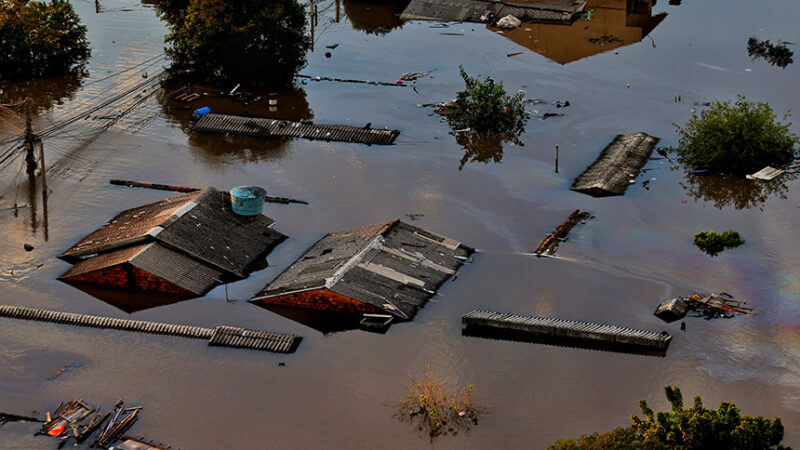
713,243
484,106
737,138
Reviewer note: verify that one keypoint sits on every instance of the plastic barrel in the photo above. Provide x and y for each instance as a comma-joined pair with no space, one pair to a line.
247,200
200,112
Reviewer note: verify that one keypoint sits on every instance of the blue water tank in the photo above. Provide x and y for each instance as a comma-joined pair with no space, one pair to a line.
200,112
247,200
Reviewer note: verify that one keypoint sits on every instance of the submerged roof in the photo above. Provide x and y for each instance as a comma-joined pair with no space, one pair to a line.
199,225
617,165
394,266
556,11
193,241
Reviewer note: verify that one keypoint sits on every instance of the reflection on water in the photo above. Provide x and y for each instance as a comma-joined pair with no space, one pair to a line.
613,24
483,147
129,301
292,105
738,192
375,17
326,322
44,92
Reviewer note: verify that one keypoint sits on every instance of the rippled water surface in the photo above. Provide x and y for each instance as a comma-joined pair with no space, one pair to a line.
337,389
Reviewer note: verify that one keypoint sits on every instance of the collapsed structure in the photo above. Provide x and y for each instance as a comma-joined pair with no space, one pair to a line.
390,268
617,166
186,245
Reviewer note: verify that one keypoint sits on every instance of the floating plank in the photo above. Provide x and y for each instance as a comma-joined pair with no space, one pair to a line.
223,336
565,11
618,164
264,127
608,337
767,173
550,243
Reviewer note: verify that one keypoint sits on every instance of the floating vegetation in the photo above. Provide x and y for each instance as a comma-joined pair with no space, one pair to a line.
713,243
777,55
438,408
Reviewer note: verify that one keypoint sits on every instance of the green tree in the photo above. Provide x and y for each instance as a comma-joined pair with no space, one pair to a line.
249,40
484,106
39,39
736,138
685,429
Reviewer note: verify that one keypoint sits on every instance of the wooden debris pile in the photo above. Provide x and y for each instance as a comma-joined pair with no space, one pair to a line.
709,306
550,243
68,422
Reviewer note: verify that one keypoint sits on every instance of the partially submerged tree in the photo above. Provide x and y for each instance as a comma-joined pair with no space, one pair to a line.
713,243
263,41
776,54
39,39
685,429
484,106
737,138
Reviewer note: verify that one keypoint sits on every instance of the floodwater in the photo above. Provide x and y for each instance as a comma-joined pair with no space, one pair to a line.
336,391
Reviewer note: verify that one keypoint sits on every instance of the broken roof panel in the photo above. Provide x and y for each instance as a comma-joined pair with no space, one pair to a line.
393,266
617,165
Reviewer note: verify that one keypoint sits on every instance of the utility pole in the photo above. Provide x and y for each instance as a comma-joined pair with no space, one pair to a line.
556,159
30,139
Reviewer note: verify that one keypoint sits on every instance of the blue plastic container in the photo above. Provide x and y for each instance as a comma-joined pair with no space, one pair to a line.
247,200
200,112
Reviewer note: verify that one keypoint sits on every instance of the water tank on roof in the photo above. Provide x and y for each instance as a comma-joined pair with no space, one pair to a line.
247,200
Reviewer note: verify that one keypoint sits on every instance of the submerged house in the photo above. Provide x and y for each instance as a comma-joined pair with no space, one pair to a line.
391,269
185,245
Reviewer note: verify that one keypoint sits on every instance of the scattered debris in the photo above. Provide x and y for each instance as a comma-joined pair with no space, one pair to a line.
186,96
516,53
28,247
60,371
169,187
709,306
265,127
376,322
185,245
415,216
702,103
344,80
223,336
550,243
561,103
555,331
606,39
549,115
66,415
332,46
508,22
620,161
389,268
131,443
767,173
413,76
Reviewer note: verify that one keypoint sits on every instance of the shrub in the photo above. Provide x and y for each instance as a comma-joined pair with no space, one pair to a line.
40,39
250,40
685,429
484,106
437,407
713,243
735,138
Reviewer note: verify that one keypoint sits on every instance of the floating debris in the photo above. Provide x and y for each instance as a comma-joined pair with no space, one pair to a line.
550,330
767,173
709,306
550,243
616,166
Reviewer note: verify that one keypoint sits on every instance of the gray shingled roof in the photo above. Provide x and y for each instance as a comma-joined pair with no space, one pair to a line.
394,266
557,11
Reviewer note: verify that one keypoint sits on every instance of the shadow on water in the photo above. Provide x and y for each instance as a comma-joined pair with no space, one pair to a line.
483,147
613,24
44,92
326,322
292,105
733,191
375,17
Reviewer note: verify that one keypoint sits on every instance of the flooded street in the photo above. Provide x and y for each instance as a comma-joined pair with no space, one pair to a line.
337,390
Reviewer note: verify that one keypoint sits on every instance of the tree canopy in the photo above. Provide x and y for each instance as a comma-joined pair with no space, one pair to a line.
737,138
40,39
685,429
249,40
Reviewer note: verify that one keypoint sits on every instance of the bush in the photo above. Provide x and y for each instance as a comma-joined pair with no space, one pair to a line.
250,40
685,429
437,407
738,138
484,106
40,39
713,243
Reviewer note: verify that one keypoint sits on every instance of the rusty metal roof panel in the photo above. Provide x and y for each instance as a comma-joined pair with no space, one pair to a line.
265,127
128,227
616,166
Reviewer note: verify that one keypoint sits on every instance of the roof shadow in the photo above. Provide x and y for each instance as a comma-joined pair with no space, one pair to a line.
130,301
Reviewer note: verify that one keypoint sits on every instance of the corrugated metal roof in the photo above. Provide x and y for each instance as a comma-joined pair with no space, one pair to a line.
265,127
185,272
394,266
103,261
128,227
617,165
565,11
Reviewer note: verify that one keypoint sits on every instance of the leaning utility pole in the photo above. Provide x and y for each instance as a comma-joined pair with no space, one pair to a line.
30,139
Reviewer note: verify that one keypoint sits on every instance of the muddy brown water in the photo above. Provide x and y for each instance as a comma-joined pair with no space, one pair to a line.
336,391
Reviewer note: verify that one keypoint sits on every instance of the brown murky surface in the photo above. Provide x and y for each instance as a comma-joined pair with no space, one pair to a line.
336,391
